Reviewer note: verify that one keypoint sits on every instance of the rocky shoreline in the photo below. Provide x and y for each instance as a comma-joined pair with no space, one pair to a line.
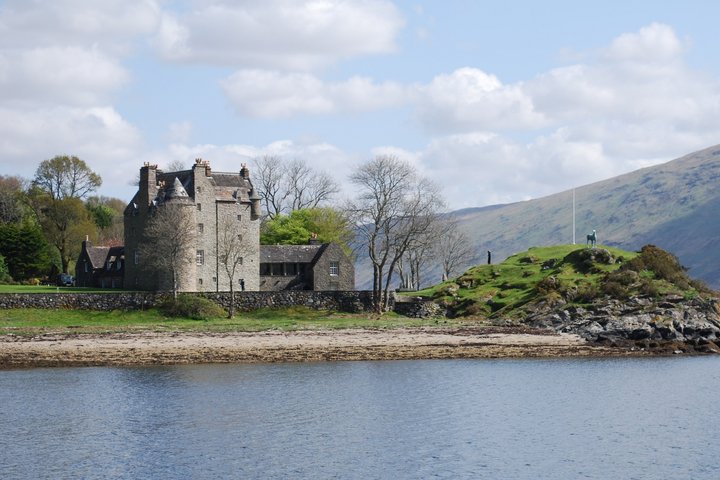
670,323
298,346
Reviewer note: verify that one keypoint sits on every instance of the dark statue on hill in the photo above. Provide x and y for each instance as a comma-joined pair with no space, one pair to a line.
592,239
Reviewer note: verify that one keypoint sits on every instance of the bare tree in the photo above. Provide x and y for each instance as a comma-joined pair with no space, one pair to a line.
286,187
176,166
454,249
307,188
168,241
270,174
394,206
419,252
231,250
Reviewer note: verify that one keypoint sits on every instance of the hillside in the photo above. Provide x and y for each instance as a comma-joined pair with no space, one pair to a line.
563,274
670,205
601,294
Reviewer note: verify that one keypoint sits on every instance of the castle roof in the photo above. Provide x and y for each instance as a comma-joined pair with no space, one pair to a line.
176,191
290,253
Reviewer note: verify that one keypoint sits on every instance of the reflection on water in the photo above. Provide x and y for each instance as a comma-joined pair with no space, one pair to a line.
567,419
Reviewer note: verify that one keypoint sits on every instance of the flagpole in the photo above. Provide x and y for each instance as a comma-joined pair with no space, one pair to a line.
573,216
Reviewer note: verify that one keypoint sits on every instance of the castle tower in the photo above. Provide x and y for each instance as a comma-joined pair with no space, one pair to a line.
216,206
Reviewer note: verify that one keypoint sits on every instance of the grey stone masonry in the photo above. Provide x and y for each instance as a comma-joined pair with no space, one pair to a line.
219,205
353,301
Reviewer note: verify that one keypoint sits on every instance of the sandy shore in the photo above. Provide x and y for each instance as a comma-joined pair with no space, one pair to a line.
297,346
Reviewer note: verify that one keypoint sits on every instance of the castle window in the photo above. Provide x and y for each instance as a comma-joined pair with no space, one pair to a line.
137,258
201,228
200,257
277,269
239,218
199,281
240,237
199,206
215,279
334,269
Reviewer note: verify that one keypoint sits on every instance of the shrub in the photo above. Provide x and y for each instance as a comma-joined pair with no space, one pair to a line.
615,289
4,273
664,265
586,293
585,260
648,287
190,306
547,285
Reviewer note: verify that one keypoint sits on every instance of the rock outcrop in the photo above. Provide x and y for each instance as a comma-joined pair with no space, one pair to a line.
671,322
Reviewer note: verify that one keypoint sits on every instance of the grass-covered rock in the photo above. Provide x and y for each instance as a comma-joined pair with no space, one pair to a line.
563,275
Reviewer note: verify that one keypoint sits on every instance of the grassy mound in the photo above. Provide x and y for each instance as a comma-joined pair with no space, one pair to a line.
560,275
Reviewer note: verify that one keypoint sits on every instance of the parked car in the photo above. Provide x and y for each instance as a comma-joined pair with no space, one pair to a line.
65,280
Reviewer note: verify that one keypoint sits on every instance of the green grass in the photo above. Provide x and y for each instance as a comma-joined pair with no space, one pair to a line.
53,289
542,272
30,322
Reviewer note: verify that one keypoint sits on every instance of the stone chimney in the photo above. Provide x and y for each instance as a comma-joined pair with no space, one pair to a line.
200,163
244,171
313,239
148,184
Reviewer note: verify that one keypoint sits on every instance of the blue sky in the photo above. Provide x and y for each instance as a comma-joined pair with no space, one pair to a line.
496,101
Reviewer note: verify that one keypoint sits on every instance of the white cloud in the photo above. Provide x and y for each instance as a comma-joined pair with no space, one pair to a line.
179,132
279,34
469,99
656,43
70,75
98,135
110,25
267,94
321,156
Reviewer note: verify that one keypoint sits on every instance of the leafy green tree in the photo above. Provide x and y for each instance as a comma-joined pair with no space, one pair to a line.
102,215
65,223
4,272
66,177
107,213
329,224
10,195
26,251
56,196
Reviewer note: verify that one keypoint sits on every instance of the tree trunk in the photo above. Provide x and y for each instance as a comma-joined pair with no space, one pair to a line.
231,310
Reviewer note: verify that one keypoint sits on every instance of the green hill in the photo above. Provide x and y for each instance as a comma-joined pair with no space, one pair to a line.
562,276
670,205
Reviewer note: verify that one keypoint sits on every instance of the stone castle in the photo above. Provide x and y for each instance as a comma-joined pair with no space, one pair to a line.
209,208
210,202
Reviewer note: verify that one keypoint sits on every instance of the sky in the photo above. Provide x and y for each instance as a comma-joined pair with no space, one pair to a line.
495,101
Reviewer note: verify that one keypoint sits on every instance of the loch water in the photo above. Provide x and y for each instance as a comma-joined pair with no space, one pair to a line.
640,418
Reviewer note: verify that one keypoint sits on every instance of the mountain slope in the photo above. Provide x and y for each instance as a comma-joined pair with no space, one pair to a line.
672,205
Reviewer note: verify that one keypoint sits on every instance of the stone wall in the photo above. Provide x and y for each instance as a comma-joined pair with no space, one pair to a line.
354,301
418,308
82,301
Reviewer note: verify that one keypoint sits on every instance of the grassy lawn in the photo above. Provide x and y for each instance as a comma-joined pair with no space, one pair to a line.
29,322
53,289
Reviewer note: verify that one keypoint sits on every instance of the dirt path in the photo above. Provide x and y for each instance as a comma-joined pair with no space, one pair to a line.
297,346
